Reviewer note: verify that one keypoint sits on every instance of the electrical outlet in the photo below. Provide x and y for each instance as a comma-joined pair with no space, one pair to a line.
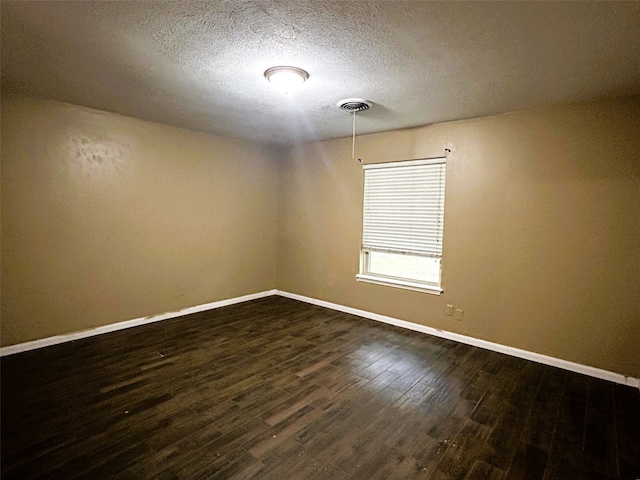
459,313
450,310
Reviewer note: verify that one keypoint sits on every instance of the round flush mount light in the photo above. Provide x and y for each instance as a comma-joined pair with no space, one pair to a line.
286,79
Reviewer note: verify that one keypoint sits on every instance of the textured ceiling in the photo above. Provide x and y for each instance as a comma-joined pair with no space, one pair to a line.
199,65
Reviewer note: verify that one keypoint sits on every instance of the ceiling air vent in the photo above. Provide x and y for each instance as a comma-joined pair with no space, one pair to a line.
354,105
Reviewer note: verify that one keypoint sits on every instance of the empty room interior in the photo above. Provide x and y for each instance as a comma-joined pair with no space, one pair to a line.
320,240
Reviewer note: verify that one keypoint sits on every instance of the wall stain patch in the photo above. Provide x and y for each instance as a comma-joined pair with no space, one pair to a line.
93,158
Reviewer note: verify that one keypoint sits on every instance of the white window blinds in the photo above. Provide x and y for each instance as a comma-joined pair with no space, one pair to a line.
404,207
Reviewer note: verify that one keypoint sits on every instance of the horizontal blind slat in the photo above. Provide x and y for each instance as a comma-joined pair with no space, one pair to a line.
404,208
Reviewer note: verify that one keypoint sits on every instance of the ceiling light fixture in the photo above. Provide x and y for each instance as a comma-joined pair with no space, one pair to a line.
286,79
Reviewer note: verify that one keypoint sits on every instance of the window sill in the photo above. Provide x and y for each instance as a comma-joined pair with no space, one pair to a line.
392,282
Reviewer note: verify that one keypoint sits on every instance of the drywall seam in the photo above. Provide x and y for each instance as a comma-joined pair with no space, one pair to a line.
496,347
45,342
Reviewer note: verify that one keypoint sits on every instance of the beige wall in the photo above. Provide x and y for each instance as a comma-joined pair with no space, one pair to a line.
107,218
542,229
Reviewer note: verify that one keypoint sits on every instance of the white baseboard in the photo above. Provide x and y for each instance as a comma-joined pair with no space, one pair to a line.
496,347
45,342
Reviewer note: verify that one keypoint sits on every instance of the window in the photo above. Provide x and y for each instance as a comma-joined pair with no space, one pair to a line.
403,224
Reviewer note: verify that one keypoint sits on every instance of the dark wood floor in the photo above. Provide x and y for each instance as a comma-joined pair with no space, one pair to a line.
278,389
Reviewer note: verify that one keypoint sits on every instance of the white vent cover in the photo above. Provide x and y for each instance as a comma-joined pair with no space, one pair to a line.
354,105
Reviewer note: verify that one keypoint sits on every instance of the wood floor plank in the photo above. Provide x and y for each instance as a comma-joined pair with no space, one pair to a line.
571,417
483,471
529,462
275,436
567,459
600,447
628,436
463,451
502,443
275,388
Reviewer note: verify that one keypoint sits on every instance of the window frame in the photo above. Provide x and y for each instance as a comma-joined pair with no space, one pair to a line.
365,274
